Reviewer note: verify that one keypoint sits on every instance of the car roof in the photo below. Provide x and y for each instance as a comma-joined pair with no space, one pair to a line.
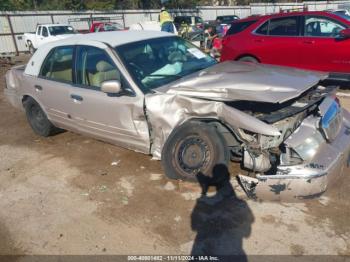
112,38
226,15
292,13
101,39
186,16
54,25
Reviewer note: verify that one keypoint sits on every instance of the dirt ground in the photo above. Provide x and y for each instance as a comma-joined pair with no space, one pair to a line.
69,194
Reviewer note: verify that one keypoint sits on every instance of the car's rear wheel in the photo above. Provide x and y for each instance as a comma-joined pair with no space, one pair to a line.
248,59
194,148
38,120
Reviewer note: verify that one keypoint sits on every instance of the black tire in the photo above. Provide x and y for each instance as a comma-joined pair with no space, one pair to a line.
194,148
248,59
31,47
38,120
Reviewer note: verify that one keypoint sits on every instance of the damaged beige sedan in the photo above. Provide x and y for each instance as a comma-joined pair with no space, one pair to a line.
155,93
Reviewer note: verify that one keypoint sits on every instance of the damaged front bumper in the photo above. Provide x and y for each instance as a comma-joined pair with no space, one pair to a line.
306,180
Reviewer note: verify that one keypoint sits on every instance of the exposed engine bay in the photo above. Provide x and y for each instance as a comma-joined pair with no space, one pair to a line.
261,153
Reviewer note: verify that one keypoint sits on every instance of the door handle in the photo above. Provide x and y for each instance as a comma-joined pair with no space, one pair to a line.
76,97
309,42
38,88
259,40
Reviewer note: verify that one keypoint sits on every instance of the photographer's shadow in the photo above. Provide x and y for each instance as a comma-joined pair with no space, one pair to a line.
221,221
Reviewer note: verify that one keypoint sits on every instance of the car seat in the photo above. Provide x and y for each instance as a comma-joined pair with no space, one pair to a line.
104,71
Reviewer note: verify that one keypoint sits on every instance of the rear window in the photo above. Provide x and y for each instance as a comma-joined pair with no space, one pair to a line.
238,27
227,19
284,26
58,64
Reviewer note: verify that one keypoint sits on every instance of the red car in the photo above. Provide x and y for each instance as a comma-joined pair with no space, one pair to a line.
308,40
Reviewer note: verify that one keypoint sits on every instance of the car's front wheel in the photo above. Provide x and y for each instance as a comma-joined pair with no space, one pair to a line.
194,148
38,120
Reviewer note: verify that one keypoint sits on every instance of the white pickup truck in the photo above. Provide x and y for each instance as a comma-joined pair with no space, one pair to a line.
47,33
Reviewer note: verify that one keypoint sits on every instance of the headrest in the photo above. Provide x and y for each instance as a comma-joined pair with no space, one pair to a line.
64,58
103,66
177,56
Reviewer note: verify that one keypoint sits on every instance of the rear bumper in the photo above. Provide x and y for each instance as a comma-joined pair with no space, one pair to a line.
13,98
310,179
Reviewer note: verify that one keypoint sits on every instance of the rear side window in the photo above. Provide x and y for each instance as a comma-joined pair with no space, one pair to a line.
58,64
238,27
264,29
285,26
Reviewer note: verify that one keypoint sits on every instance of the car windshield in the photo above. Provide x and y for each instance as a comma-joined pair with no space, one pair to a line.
226,19
113,27
156,62
61,30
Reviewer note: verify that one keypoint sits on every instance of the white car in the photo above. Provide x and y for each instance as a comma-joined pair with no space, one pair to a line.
148,26
47,33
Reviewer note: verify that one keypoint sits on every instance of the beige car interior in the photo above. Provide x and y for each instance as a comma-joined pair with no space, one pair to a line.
96,69
104,71
61,68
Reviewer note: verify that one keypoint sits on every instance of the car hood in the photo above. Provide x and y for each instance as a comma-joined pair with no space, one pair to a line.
232,80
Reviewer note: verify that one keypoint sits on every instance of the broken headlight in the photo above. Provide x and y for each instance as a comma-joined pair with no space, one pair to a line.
309,148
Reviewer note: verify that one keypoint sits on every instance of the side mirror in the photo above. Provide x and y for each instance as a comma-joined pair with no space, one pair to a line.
111,87
345,33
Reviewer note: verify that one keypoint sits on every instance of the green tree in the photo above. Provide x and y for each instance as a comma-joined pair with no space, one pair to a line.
6,5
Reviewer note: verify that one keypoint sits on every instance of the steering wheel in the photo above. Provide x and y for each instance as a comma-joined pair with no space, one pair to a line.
139,72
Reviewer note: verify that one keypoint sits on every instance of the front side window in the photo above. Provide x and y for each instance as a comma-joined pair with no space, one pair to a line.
322,27
285,26
39,30
58,64
156,62
61,30
45,32
94,66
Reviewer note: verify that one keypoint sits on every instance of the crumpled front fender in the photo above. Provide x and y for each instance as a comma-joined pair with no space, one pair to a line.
167,111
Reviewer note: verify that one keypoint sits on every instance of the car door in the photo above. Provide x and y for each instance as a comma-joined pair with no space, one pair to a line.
119,119
277,41
322,47
44,36
37,36
53,84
